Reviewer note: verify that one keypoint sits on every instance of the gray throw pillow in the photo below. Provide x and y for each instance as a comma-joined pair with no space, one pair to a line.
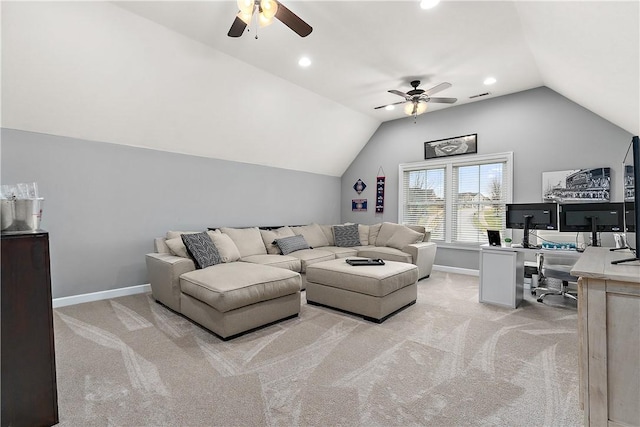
201,248
291,244
346,236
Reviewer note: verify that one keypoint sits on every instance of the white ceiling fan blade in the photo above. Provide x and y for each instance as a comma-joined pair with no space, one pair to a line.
437,88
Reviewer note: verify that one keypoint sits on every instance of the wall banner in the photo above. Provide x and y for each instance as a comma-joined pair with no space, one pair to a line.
380,192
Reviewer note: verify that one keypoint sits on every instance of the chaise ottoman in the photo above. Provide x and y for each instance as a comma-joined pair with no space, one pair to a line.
375,292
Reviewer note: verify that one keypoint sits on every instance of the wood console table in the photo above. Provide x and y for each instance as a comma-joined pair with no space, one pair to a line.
609,338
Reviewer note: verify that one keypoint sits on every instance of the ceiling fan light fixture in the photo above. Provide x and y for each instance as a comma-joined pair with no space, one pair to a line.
415,108
246,18
246,6
264,21
268,8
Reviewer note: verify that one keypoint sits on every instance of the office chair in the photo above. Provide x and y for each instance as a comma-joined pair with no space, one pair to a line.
556,267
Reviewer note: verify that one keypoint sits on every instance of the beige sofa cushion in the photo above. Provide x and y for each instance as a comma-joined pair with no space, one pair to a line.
248,240
233,285
311,256
374,230
328,233
313,234
363,230
175,244
420,229
342,252
386,253
281,261
226,247
386,231
268,236
404,237
177,247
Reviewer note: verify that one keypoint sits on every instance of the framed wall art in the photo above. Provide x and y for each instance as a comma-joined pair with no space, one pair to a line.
359,205
577,185
465,144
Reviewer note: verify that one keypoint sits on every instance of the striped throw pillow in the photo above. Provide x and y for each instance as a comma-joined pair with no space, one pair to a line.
346,235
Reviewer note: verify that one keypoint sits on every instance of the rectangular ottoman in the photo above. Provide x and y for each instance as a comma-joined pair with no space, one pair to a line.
374,292
234,298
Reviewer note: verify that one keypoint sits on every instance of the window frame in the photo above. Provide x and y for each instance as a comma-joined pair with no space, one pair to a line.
449,164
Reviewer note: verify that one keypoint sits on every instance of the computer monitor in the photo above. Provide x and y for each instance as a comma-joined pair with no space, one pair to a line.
592,217
527,216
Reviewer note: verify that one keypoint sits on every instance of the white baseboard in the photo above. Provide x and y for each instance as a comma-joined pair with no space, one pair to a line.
97,296
457,270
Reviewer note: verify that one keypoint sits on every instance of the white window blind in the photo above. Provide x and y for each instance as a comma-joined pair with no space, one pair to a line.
459,199
424,195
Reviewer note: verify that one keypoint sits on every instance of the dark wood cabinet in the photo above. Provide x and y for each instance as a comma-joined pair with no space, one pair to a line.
29,395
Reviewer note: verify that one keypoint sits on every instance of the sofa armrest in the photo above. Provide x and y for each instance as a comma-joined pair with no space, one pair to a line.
423,255
164,276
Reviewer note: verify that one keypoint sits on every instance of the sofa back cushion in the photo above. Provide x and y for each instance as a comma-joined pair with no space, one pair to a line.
328,233
386,231
177,247
420,229
226,248
374,230
363,230
175,244
248,240
312,234
268,236
346,235
403,237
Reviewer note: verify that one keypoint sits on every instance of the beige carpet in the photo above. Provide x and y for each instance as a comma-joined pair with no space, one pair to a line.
445,361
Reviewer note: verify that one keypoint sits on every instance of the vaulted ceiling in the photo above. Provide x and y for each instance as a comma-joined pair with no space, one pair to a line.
164,74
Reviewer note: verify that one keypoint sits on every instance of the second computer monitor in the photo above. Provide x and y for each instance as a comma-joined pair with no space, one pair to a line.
532,216
592,217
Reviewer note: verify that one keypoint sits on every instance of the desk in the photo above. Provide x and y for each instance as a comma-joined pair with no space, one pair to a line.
609,338
502,273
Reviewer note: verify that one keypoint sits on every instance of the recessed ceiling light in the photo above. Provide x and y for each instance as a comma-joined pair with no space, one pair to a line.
489,80
390,107
304,62
428,4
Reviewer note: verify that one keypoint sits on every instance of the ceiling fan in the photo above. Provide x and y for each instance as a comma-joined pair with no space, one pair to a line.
266,11
417,99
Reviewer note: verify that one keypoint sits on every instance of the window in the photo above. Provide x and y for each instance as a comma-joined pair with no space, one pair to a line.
458,199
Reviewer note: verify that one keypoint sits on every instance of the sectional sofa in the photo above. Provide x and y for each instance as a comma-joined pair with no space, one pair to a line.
252,282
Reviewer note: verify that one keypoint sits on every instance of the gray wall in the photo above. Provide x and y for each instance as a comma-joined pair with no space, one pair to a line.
104,203
545,131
